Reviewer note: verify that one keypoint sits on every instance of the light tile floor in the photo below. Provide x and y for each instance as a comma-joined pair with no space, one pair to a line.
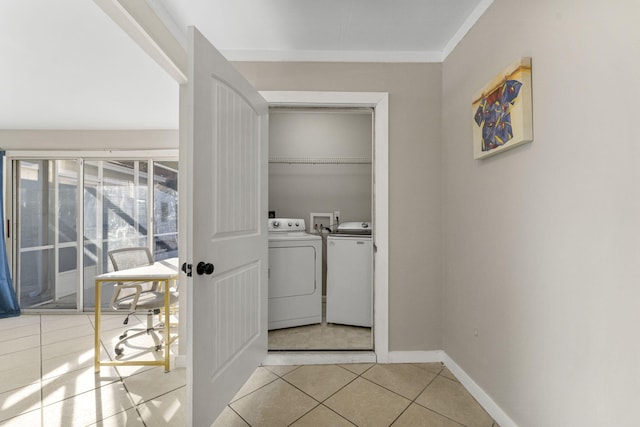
365,395
47,379
321,336
47,376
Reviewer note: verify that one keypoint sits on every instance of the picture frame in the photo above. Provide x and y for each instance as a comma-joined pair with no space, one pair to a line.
502,111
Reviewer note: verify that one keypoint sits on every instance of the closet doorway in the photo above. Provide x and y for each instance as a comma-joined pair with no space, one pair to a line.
320,161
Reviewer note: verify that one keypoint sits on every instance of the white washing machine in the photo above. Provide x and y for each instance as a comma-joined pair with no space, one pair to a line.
350,275
295,274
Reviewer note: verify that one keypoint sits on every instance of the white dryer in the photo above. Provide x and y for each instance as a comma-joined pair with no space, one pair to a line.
295,274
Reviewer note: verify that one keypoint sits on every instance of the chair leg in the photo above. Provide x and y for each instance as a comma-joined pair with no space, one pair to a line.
150,330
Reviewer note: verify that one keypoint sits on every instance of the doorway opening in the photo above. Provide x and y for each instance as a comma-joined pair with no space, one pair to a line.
379,103
321,174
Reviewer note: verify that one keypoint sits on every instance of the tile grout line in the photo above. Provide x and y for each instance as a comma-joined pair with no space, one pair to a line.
240,416
366,379
7,340
321,403
23,349
328,408
281,377
39,381
459,383
397,394
92,390
413,401
437,374
278,377
56,376
253,391
136,407
328,397
430,409
120,380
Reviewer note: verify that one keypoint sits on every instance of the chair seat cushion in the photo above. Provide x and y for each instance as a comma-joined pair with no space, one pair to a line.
148,301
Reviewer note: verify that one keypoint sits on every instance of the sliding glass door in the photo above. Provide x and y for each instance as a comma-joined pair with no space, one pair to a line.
115,204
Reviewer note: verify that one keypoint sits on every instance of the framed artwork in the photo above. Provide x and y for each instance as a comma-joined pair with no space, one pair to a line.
502,111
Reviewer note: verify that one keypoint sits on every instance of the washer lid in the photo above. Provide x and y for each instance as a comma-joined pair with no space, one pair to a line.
355,227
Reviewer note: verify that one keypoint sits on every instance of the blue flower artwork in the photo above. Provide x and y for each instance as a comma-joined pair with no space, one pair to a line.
494,114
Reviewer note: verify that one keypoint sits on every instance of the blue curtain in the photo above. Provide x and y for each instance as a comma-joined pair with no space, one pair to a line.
8,301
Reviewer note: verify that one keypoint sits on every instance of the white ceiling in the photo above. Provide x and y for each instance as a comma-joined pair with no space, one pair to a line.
65,65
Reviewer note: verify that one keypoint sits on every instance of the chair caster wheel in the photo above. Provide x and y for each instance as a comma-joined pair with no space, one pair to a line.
158,347
123,336
119,351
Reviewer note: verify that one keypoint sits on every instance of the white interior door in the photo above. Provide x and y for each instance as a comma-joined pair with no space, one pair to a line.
227,135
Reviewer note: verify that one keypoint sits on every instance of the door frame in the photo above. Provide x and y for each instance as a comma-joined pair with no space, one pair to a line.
379,102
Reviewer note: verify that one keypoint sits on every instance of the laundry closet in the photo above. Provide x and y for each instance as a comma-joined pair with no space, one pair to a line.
320,182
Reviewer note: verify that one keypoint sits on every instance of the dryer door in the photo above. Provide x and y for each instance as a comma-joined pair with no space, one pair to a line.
292,271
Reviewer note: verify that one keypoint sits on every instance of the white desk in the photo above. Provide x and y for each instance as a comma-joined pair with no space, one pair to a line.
165,272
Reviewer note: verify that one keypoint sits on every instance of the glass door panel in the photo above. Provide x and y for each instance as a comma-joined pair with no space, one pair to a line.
67,278
122,204
47,237
165,210
115,216
92,242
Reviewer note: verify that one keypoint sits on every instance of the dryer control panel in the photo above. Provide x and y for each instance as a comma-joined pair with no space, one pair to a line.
286,224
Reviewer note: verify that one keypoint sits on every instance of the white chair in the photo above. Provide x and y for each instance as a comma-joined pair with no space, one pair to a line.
136,297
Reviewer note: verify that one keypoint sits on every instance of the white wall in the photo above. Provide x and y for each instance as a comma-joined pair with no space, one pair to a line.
296,190
542,243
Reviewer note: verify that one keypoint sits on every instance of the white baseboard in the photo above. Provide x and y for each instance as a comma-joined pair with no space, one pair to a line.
478,393
415,356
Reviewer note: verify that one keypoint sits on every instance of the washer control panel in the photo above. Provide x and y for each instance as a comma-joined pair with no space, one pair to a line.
286,224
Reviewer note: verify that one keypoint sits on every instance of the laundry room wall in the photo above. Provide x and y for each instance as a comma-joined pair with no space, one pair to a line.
415,183
309,170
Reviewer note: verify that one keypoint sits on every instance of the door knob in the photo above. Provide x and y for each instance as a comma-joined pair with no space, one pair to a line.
204,268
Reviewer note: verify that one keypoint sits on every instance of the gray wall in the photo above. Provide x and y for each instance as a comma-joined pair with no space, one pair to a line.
296,190
542,243
415,179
